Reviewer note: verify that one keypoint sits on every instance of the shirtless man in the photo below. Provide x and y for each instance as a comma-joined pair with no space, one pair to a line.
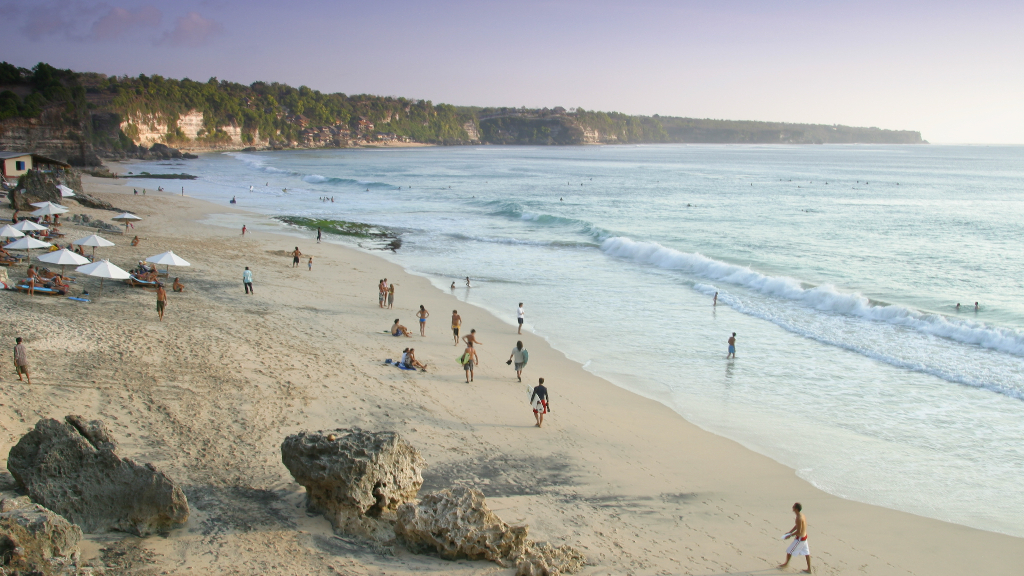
456,324
161,300
380,294
732,347
295,257
399,330
799,533
471,338
471,360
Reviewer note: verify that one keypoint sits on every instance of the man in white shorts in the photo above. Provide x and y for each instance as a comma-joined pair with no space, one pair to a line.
799,534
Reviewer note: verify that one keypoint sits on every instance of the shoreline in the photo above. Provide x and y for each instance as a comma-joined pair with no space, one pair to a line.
625,478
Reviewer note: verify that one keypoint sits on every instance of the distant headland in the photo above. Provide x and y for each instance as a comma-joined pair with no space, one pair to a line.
81,117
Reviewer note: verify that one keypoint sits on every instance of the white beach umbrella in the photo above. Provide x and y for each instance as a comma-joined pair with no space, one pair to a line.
9,231
28,226
125,217
47,203
168,259
27,244
93,241
103,270
65,191
50,210
63,258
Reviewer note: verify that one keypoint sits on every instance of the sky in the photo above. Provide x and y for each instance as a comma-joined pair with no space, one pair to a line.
952,70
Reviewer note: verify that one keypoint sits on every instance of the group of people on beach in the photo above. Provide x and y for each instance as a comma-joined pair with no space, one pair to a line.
469,359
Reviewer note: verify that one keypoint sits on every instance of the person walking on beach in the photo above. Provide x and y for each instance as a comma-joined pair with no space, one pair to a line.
732,346
310,263
520,315
520,356
469,359
423,315
161,300
456,324
317,234
391,296
247,280
21,360
471,337
539,400
244,230
295,257
799,546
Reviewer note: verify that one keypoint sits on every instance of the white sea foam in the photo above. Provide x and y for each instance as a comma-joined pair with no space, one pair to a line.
825,298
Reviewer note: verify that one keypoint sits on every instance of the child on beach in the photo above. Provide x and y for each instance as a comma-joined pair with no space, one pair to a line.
310,263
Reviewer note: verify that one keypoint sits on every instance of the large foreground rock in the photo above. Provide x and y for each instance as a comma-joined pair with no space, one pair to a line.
458,524
357,479
71,468
34,539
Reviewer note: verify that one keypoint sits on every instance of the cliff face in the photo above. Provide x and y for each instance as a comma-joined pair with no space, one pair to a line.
49,135
187,133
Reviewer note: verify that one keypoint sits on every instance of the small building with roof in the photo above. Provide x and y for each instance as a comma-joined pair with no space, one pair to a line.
17,163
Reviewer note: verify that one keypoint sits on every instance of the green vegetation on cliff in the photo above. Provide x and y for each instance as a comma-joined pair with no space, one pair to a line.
107,113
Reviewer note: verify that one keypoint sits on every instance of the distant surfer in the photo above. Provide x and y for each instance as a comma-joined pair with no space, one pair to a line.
732,346
539,400
957,306
976,307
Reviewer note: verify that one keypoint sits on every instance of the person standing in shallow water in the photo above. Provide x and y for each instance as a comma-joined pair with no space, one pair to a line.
799,546
520,315
732,347
318,234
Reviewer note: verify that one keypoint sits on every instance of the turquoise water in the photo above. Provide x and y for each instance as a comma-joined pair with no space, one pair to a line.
839,267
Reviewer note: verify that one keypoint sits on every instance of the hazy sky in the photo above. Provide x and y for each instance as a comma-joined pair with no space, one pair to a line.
954,71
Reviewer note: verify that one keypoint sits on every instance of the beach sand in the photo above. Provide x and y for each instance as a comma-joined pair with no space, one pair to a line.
209,394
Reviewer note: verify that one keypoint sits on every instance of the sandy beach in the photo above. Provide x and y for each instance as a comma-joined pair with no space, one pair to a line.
209,394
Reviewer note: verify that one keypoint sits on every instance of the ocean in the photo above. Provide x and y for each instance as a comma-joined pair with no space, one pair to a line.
838,267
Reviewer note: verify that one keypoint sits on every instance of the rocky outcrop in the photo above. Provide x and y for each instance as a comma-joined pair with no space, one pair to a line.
71,468
39,186
357,479
457,524
94,202
34,539
543,559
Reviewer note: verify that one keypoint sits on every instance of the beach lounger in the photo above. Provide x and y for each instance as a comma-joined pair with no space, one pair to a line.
41,290
133,281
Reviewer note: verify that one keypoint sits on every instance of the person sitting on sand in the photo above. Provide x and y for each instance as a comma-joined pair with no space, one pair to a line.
399,330
177,286
135,241
412,362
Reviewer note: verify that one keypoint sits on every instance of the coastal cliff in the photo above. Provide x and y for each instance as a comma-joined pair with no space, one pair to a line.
81,116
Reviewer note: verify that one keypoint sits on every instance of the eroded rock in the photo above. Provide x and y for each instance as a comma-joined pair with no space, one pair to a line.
34,539
71,468
457,523
358,479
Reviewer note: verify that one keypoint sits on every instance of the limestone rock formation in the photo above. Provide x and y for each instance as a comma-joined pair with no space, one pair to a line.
458,524
357,479
34,539
71,468
39,186
543,559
